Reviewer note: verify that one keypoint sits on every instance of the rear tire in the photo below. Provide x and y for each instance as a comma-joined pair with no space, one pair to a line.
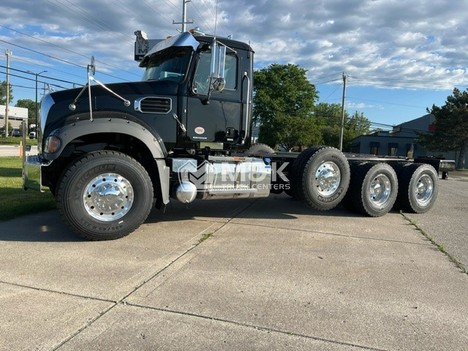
260,150
419,187
373,189
105,195
320,177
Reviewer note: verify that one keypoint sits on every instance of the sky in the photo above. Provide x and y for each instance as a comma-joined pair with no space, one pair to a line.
399,57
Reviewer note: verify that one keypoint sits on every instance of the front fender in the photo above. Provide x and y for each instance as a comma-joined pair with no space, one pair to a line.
151,139
73,131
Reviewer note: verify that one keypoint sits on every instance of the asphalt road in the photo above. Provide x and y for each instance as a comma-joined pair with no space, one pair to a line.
13,150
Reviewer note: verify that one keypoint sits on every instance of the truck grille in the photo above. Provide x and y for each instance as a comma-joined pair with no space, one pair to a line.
153,105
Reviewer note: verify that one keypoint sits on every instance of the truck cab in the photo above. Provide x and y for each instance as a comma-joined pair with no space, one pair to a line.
213,78
189,114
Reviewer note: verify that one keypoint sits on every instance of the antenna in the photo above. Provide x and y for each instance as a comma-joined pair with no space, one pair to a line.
343,112
184,16
216,17
8,53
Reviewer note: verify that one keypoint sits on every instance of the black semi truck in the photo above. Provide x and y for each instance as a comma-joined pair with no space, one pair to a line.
111,153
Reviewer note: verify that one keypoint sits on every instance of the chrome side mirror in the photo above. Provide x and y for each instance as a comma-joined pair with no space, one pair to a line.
218,63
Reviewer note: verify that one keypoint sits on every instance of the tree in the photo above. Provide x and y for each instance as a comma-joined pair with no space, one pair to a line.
3,92
283,104
31,106
289,132
329,117
2,129
355,126
450,126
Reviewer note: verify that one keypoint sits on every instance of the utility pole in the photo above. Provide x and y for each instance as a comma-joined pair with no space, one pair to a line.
8,54
184,16
37,75
343,112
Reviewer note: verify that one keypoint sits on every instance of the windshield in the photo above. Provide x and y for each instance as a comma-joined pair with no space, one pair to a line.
169,64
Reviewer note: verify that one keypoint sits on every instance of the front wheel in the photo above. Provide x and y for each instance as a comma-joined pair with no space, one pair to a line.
105,195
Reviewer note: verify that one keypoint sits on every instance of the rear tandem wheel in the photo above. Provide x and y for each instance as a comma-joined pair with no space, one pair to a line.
320,176
419,187
373,189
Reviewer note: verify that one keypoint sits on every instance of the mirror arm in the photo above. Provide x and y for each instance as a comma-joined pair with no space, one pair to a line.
218,61
206,100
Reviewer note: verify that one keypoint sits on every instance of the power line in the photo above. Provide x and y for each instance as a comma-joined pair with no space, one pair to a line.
22,86
333,92
384,102
328,81
63,48
171,4
406,83
198,13
53,68
150,6
30,79
382,124
328,78
56,58
84,14
33,79
40,53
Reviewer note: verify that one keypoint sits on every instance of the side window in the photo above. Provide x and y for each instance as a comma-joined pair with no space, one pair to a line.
230,72
201,79
392,149
374,148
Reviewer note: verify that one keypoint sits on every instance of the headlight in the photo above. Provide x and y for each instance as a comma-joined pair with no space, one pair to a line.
52,144
46,104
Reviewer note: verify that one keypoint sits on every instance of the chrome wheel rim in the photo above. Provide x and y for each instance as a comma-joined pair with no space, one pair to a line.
424,190
328,178
380,190
108,197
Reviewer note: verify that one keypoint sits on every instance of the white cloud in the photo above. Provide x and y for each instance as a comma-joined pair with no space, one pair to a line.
381,43
357,106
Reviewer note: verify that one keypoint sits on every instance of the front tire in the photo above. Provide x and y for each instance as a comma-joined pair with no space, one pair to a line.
105,195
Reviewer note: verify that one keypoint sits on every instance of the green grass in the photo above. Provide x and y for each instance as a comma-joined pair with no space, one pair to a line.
204,237
14,201
16,141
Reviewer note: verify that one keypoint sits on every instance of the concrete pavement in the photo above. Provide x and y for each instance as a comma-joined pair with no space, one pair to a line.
447,222
268,274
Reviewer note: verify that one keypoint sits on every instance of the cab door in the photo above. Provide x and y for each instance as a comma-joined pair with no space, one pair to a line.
215,116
